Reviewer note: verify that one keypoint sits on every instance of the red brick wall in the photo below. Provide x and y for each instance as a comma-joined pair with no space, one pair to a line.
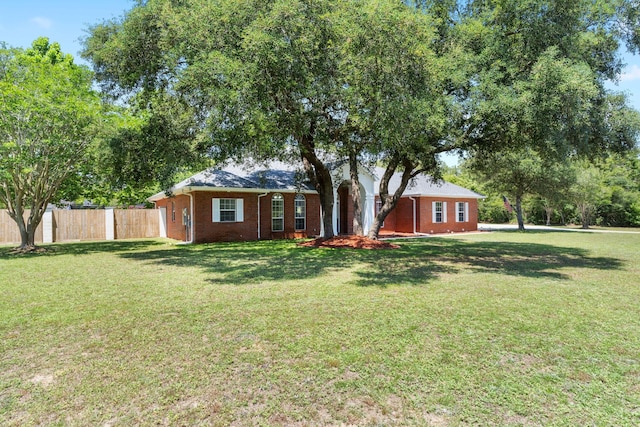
312,223
426,224
404,215
205,230
389,221
175,227
401,218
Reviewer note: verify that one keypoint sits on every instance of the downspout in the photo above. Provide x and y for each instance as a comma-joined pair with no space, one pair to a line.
414,214
259,196
191,237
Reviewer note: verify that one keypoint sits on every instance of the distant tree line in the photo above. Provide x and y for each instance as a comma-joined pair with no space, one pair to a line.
603,192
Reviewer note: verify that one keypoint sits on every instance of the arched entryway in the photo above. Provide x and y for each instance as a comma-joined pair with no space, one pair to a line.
344,205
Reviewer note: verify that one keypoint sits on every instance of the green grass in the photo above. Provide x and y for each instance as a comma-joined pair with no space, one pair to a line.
600,228
535,328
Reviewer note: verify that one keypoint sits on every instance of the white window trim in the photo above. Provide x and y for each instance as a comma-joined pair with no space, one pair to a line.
433,212
465,211
299,197
216,210
281,198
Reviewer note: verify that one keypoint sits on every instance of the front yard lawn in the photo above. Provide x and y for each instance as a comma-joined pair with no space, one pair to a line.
522,329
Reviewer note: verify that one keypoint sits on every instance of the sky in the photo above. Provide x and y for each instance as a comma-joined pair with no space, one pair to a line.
66,21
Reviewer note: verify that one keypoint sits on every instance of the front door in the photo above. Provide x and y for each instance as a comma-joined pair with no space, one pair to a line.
343,209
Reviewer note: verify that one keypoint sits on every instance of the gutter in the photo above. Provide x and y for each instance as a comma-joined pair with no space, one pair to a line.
191,236
259,196
188,189
414,214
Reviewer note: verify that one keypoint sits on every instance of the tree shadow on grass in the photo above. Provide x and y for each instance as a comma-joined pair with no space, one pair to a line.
254,262
82,248
416,262
532,260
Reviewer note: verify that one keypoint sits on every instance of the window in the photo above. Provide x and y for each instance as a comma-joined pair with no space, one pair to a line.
228,210
277,212
462,212
301,212
439,211
173,212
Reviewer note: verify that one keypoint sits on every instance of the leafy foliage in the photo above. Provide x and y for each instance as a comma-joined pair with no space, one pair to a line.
296,80
365,81
48,115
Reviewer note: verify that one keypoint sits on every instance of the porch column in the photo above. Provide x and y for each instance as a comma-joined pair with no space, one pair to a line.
368,211
336,211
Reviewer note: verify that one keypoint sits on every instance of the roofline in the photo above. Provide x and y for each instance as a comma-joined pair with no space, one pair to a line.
191,189
442,196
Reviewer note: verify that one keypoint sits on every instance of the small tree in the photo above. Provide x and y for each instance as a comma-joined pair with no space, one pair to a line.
586,192
513,172
47,113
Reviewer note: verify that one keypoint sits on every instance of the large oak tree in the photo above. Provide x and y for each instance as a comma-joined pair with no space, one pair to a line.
327,80
317,81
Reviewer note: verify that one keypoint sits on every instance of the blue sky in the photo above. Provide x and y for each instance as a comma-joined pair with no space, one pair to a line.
65,21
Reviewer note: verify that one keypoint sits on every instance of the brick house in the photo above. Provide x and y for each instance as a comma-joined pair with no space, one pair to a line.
429,207
239,203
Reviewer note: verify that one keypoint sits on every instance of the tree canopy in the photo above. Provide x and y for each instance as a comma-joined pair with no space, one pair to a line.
363,81
319,81
541,71
48,113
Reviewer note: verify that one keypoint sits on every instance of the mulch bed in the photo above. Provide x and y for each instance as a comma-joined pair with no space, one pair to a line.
352,242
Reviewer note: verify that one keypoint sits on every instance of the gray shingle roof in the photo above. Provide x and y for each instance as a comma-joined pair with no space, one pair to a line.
276,176
424,185
285,177
215,178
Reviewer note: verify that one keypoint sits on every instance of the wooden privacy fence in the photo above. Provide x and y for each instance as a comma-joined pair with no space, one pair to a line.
136,223
82,224
9,232
89,224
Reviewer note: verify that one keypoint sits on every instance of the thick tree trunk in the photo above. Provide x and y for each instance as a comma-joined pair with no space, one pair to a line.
26,228
28,239
355,195
519,213
320,177
389,203
325,190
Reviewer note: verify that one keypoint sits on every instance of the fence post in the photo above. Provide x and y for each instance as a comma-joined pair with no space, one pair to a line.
47,227
162,212
109,224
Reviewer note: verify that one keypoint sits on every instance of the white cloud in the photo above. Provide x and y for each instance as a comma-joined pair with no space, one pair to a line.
630,73
42,22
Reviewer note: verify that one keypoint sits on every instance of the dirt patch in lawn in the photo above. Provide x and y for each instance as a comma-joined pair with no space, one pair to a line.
352,242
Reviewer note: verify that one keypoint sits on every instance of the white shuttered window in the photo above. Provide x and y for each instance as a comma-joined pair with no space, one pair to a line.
439,212
228,210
